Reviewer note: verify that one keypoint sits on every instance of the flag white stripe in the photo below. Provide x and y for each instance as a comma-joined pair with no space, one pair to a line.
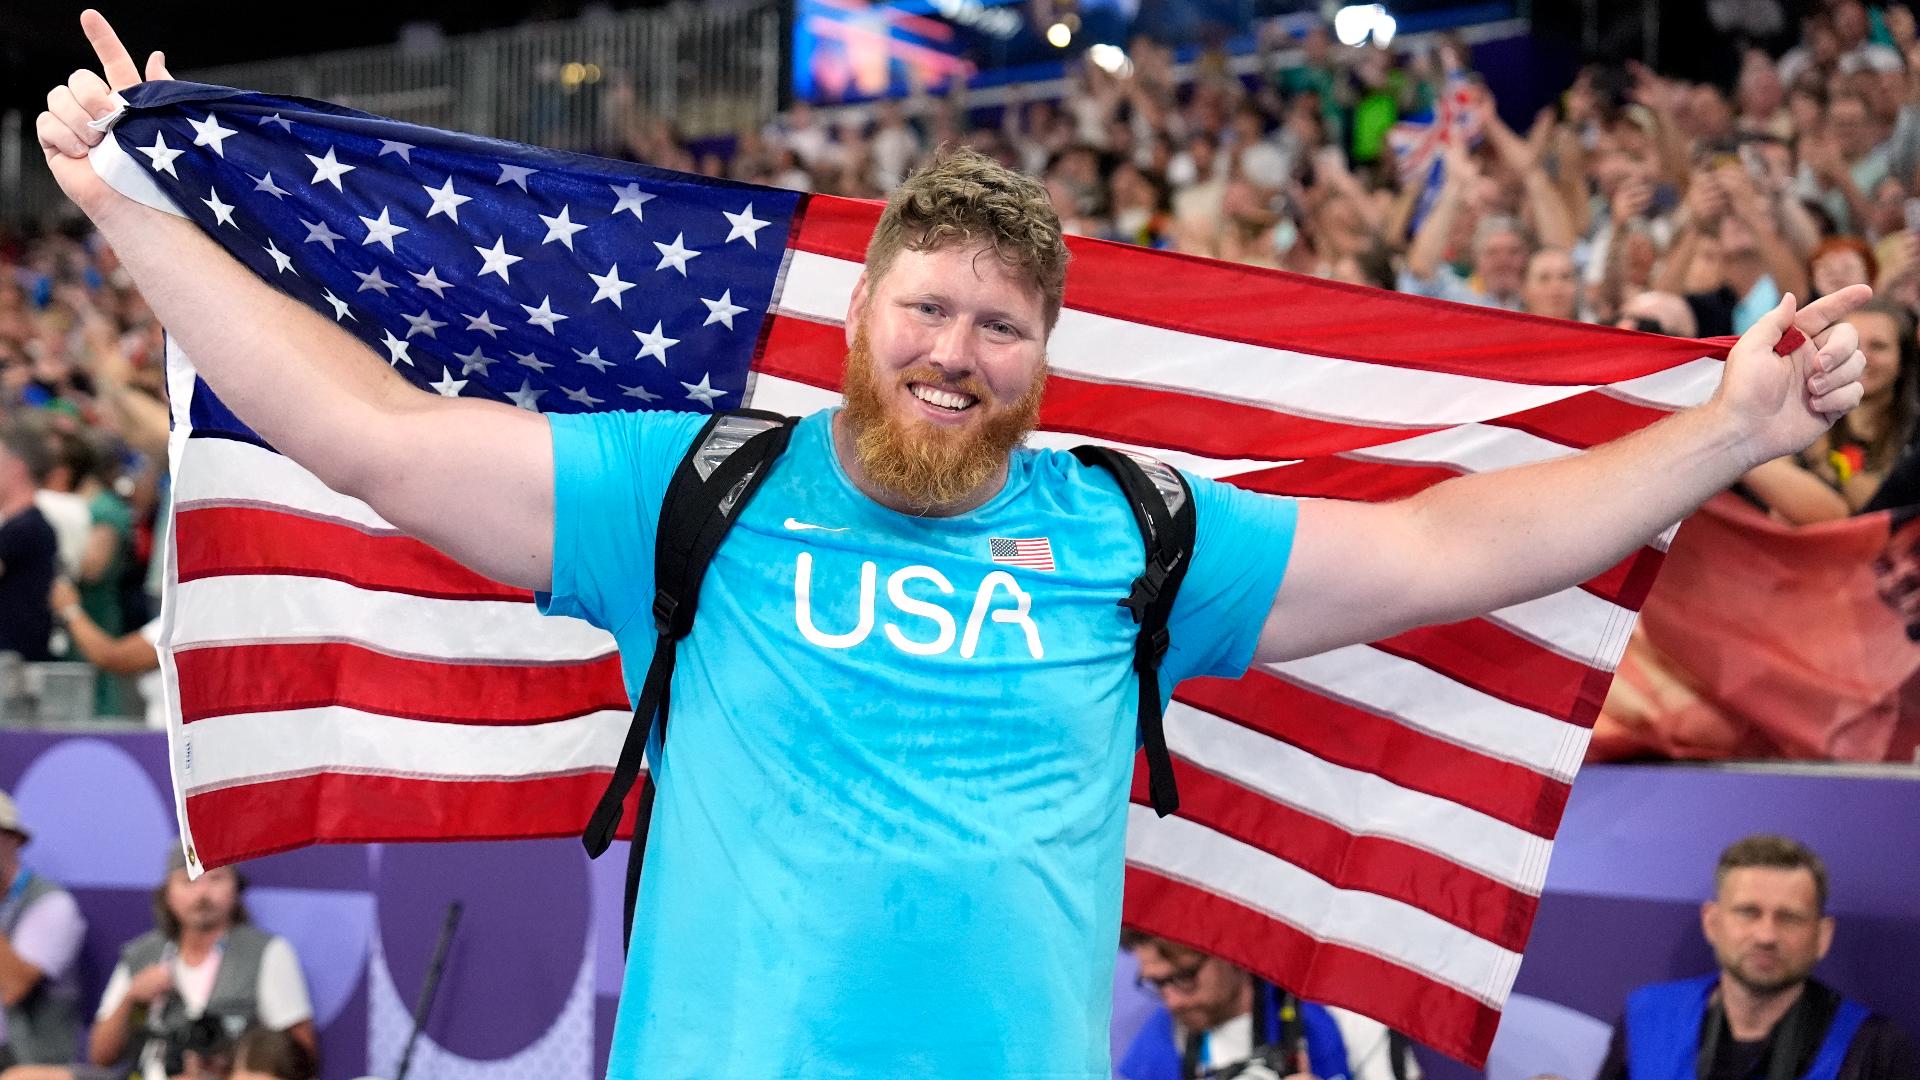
1574,623
1357,801
1469,447
258,746
1114,350
1374,924
1678,387
225,472
250,609
1422,698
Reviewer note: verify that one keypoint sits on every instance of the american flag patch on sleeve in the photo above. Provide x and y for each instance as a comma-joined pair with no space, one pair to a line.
1034,554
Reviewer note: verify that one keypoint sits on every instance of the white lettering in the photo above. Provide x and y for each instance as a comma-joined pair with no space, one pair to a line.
897,592
984,598
803,608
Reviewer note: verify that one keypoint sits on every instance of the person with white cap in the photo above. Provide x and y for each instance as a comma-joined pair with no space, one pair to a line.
40,933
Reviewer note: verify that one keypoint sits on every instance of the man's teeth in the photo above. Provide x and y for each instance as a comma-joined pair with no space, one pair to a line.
946,399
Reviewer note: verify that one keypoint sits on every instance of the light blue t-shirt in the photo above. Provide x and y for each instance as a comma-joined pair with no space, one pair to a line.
889,836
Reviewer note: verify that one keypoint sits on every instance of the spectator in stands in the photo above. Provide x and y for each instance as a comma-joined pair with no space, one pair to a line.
203,975
41,930
1551,285
1658,313
1761,1014
1215,1018
28,551
82,469
128,654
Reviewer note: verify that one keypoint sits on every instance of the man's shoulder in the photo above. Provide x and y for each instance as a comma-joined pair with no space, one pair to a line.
29,524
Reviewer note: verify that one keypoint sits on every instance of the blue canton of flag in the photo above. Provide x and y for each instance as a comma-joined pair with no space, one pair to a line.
476,268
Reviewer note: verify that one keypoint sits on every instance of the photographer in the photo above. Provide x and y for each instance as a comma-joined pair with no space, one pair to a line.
1218,1021
183,991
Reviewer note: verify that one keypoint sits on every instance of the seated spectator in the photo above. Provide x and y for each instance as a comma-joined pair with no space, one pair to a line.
1551,285
29,553
1761,1015
1841,473
41,929
1218,1020
192,984
1840,261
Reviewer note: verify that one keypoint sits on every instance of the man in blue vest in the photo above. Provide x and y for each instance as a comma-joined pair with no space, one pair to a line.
41,930
1761,1017
1217,1021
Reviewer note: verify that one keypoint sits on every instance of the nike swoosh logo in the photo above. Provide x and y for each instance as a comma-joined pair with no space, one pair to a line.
796,525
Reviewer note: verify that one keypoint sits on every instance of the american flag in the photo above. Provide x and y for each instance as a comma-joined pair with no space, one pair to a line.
1369,827
1034,554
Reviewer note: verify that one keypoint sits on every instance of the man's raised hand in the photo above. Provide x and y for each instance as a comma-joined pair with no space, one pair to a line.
66,129
1780,404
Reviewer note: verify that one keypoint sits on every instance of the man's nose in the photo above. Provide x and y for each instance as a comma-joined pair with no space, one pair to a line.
953,348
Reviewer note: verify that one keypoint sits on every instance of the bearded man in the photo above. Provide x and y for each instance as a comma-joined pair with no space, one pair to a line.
1761,1016
890,831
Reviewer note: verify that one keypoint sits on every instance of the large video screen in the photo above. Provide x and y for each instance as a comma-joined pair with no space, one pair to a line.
854,50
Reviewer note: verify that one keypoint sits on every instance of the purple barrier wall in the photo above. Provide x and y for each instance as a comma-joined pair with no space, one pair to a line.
532,977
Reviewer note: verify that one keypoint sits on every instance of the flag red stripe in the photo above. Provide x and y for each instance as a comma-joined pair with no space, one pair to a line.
1496,661
215,541
250,820
813,353
1584,420
1433,883
229,679
1279,310
1425,1009
1349,736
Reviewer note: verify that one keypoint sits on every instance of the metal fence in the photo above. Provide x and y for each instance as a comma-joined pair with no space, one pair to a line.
710,69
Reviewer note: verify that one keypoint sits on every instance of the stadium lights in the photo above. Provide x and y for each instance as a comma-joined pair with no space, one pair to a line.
1354,23
1111,59
1059,35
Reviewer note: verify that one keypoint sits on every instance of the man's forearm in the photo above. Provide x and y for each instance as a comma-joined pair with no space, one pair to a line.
1515,534
1551,222
1430,241
17,976
109,1038
295,377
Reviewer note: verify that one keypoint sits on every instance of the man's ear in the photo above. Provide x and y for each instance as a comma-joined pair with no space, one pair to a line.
856,307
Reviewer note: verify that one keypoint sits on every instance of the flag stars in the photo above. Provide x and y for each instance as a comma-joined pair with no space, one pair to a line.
446,200
222,212
515,175
381,230
374,281
593,359
318,233
402,150
722,310
329,170
340,310
630,198
431,282
530,360
496,259
266,184
423,323
703,392
396,351
640,392
484,324
447,385
582,397
526,397
744,226
608,286
276,119
210,134
281,260
160,155
654,343
475,361
561,228
675,254
543,316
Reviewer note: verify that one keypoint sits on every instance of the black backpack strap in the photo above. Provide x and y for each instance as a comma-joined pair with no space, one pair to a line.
726,464
1163,508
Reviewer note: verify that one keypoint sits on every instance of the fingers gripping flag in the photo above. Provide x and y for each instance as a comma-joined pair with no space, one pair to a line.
1369,827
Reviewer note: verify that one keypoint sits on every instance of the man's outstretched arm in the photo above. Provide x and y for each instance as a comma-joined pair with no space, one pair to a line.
472,478
1360,572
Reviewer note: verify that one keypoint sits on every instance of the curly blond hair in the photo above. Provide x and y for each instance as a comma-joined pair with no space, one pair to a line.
965,197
